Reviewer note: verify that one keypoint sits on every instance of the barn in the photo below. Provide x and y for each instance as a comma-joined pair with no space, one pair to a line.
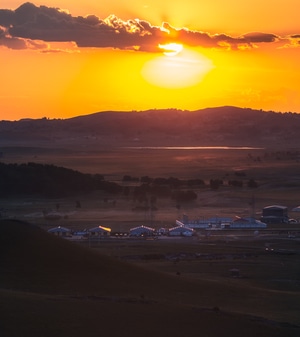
214,222
99,231
142,231
181,231
60,231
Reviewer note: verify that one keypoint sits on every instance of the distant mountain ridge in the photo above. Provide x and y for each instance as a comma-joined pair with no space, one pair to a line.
227,126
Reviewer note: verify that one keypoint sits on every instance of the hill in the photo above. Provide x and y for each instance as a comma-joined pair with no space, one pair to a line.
230,126
49,286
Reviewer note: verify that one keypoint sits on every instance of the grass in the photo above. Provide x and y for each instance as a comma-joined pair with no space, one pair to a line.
49,316
262,274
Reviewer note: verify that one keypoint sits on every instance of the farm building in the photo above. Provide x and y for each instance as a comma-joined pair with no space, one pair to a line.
181,231
142,231
275,214
214,222
245,223
60,231
192,223
99,231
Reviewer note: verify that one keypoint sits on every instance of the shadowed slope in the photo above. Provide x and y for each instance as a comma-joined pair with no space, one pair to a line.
34,260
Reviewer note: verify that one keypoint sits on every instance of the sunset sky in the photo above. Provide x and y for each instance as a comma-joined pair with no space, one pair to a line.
62,58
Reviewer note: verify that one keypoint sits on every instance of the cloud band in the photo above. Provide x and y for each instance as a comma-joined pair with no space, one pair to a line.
28,23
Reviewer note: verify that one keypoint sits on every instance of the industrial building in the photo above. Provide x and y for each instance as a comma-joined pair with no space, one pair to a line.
142,231
275,214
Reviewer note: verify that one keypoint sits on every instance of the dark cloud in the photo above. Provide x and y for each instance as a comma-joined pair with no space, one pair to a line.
294,40
259,38
11,42
52,24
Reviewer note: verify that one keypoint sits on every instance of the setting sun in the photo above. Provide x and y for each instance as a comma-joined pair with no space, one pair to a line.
171,49
127,56
177,68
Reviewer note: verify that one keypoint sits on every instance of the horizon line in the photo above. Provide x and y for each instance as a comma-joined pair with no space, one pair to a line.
25,119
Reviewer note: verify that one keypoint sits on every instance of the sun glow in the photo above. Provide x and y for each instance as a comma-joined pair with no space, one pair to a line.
177,68
171,49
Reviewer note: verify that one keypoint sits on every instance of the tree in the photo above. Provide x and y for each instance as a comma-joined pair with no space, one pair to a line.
252,183
184,196
215,183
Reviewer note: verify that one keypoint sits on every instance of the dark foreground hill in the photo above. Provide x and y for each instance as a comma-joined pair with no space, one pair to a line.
51,287
230,126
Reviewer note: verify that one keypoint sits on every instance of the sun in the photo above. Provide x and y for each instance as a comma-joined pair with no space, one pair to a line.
178,67
171,49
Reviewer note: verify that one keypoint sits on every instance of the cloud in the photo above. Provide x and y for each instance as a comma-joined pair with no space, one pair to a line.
197,38
19,43
52,24
29,23
10,42
259,38
292,41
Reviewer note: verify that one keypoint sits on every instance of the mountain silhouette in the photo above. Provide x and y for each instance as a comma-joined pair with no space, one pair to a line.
230,126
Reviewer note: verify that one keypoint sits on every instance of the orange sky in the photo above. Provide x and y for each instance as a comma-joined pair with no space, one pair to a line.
60,59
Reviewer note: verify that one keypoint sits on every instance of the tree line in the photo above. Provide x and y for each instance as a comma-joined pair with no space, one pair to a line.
48,180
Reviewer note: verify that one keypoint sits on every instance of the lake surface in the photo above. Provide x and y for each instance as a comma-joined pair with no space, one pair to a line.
194,148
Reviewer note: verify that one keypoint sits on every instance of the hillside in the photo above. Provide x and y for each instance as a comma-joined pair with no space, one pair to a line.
230,126
50,286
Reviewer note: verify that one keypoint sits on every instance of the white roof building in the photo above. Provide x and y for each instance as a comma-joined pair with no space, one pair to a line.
203,223
60,231
141,231
181,231
247,223
100,230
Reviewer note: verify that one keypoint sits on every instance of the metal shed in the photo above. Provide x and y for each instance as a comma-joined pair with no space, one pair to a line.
99,231
275,214
246,223
141,231
181,231
60,231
